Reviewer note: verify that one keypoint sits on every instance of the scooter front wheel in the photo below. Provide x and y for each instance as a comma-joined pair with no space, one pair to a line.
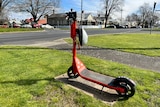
71,74
130,89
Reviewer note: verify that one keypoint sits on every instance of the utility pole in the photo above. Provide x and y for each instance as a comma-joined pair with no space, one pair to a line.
81,12
151,23
0,8
121,16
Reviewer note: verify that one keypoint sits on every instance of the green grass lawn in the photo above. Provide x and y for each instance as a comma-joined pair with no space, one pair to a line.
145,44
153,29
18,29
27,80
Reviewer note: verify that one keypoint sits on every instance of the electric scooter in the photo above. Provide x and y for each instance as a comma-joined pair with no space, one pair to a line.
125,87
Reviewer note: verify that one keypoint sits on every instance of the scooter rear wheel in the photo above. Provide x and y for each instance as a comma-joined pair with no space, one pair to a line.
71,74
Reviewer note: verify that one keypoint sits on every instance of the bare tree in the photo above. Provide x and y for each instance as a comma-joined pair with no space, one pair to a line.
3,5
155,18
129,18
37,8
134,17
112,6
145,12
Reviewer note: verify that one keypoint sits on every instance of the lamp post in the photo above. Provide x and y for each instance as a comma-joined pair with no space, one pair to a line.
154,6
152,17
81,12
121,16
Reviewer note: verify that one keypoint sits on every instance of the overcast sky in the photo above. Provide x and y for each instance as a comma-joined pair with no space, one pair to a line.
95,6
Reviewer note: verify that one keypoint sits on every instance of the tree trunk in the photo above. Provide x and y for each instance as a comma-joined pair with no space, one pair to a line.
106,20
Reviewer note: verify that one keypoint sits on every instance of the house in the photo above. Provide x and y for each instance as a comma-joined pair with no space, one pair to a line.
15,23
101,20
28,21
3,23
59,19
42,21
86,19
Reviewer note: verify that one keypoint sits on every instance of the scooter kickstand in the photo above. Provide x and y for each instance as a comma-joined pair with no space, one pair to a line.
101,89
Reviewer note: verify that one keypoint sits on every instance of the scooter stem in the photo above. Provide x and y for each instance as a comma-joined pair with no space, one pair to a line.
73,36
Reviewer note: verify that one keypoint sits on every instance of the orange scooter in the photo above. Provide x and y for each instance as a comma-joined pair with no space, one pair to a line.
125,87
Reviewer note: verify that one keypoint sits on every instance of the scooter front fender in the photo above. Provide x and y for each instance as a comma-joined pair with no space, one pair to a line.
123,79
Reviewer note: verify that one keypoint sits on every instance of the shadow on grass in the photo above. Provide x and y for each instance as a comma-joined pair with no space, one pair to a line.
102,95
27,81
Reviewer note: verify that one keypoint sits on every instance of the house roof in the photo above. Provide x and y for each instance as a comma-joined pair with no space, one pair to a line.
16,21
57,15
85,17
3,21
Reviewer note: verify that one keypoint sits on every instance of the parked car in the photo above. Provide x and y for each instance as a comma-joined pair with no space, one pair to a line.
119,27
26,26
47,26
16,25
4,26
133,27
111,26
36,25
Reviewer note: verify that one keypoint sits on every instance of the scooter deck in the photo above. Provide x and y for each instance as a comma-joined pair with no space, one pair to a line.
96,77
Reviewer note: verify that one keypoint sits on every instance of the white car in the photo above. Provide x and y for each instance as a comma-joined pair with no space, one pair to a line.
47,26
26,26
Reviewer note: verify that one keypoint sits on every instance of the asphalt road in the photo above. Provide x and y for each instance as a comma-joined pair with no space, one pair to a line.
50,35
31,37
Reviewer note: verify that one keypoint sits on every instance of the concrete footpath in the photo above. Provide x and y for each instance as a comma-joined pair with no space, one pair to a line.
134,60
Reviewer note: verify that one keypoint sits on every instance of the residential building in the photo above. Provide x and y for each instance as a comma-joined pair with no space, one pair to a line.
60,19
42,21
3,23
86,19
57,19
